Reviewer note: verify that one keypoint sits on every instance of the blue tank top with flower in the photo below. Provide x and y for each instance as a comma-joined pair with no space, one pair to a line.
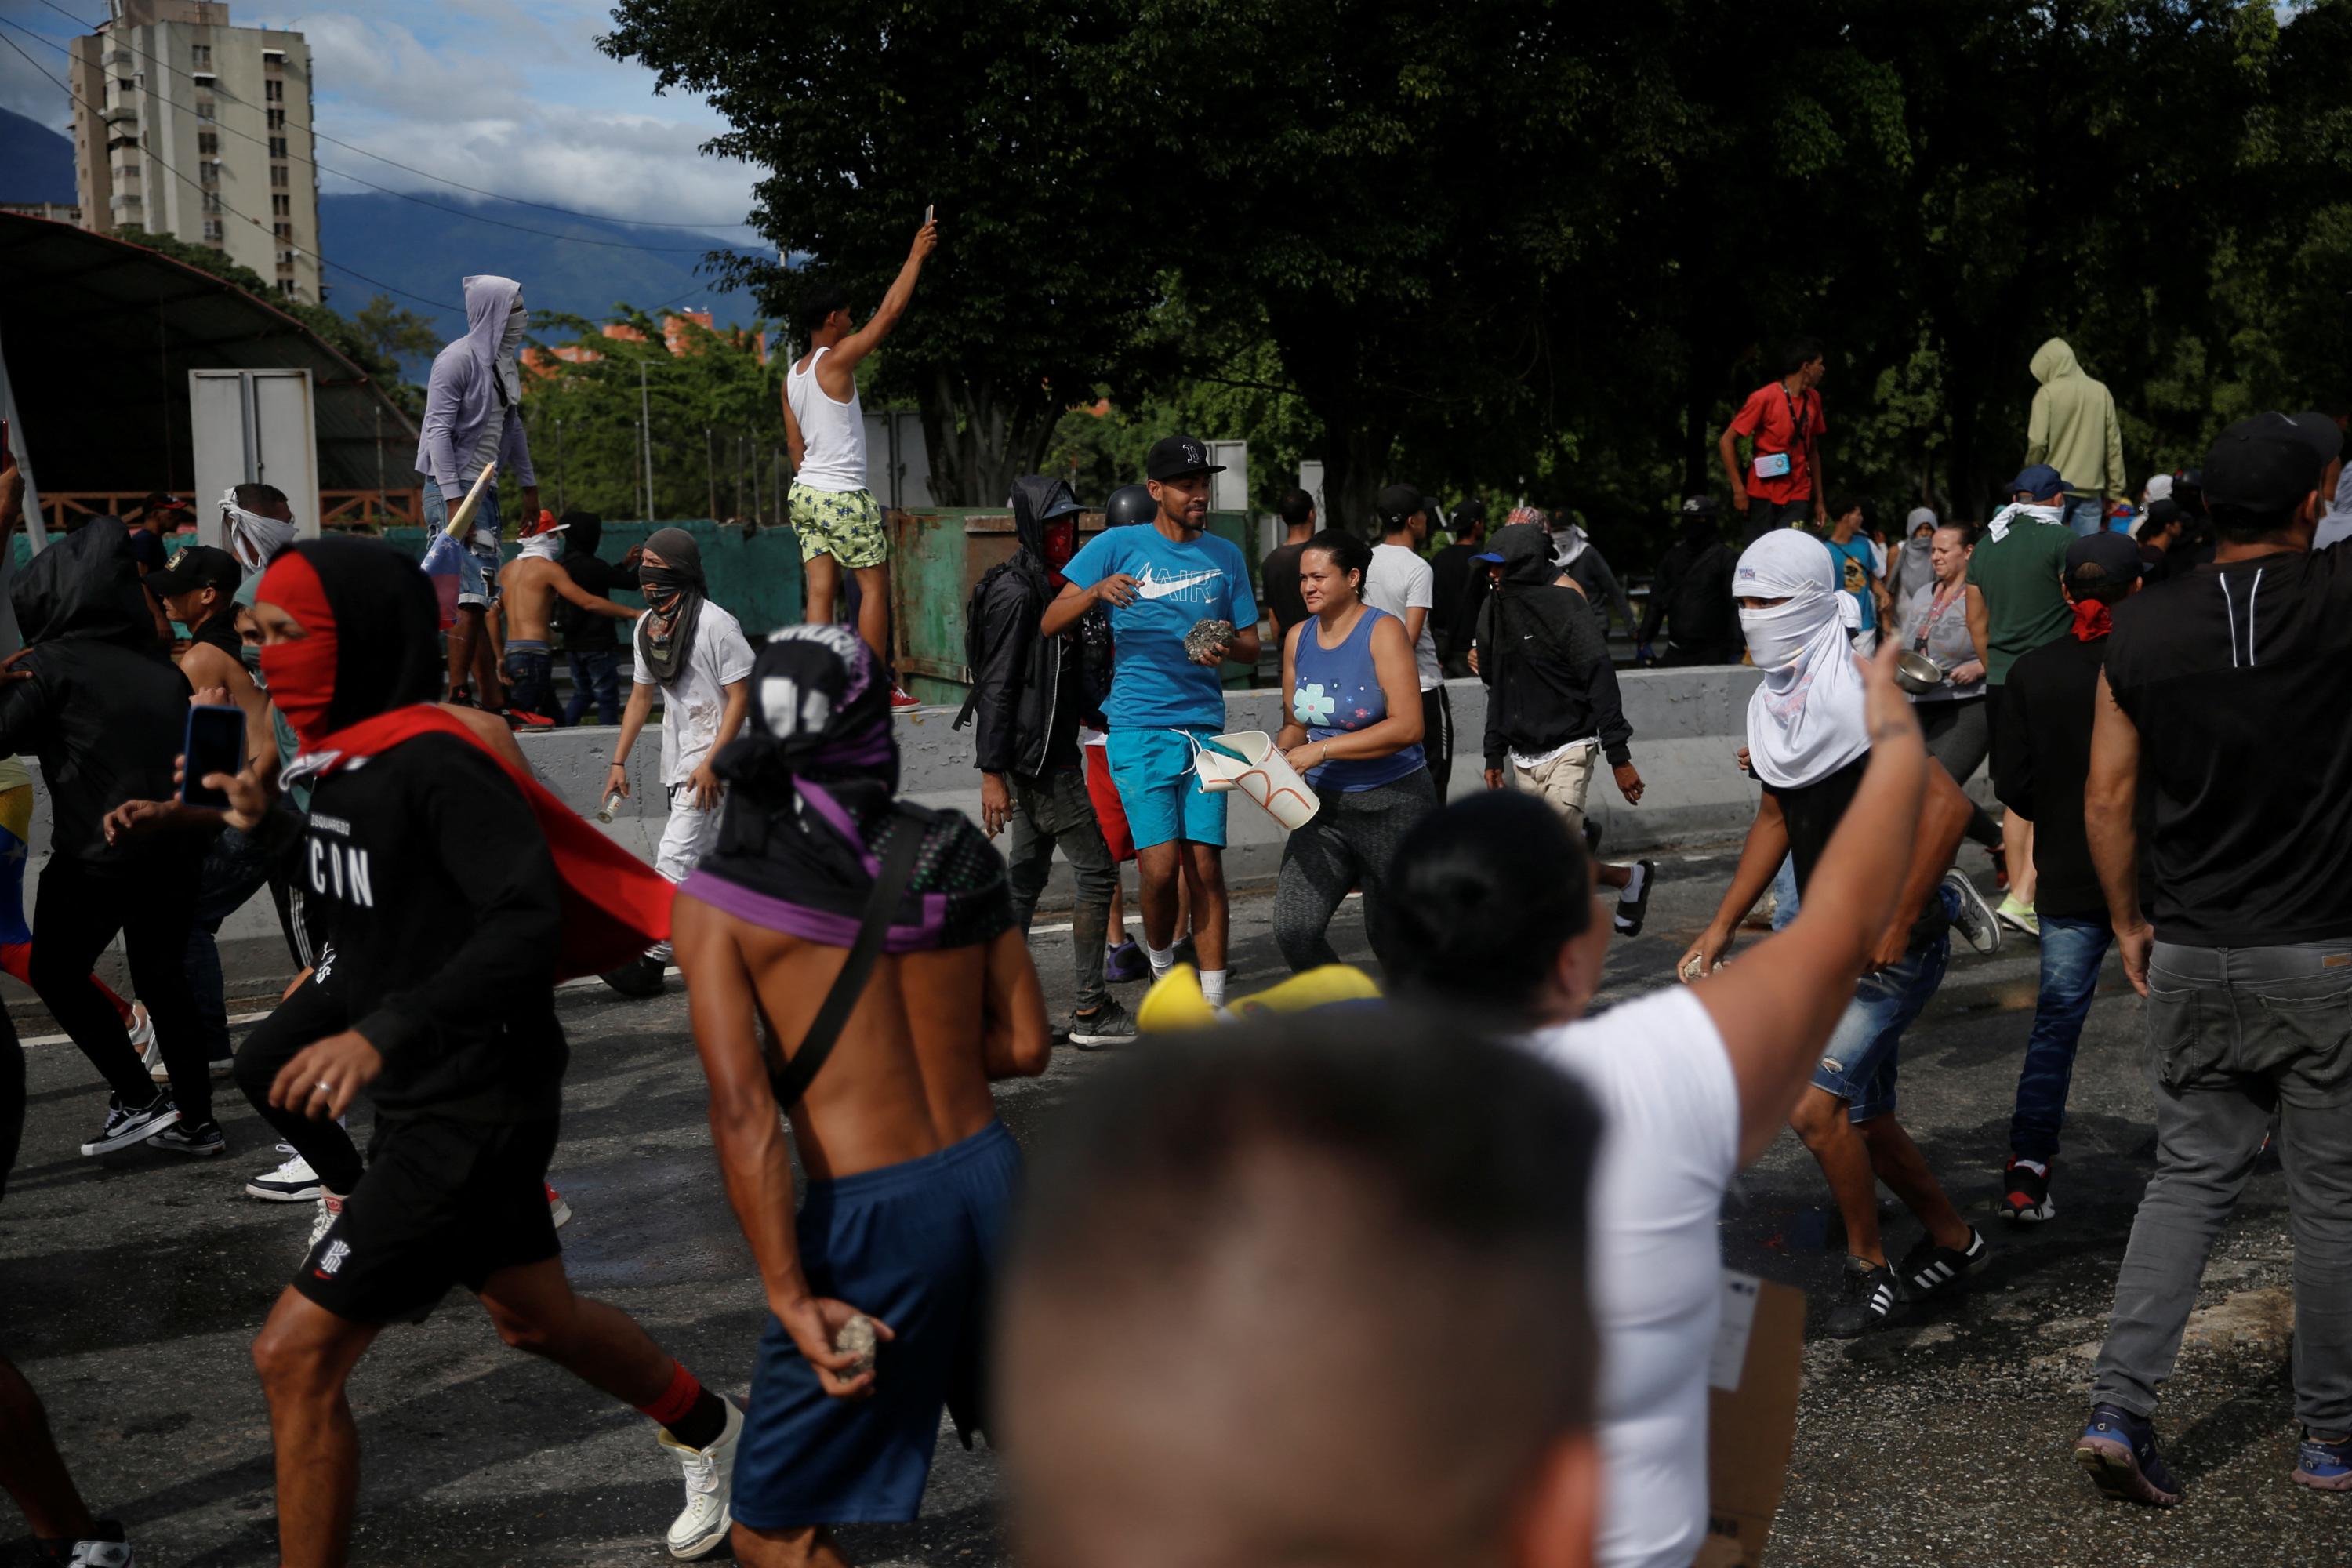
1337,690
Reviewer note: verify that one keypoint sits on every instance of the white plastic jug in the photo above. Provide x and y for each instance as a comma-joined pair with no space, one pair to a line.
1261,773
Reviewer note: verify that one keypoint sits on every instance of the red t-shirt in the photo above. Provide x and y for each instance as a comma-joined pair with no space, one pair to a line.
1780,421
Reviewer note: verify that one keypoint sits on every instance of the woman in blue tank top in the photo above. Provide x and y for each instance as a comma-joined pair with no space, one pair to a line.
1351,697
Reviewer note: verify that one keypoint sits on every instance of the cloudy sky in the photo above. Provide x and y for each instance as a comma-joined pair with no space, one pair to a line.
512,96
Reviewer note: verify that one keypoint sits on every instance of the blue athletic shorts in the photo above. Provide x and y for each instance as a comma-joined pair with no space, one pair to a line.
1161,793
914,1245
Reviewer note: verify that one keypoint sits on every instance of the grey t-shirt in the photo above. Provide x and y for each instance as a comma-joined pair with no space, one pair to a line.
1946,640
1400,581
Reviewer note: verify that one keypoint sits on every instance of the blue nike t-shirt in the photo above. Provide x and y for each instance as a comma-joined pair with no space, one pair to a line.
1153,686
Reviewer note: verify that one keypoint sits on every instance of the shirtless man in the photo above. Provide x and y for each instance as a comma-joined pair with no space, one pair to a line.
198,590
525,587
910,1172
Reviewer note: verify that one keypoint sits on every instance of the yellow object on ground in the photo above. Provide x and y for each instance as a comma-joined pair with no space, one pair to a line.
1176,1002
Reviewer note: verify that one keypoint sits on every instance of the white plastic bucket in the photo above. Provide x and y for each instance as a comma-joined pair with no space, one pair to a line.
1261,773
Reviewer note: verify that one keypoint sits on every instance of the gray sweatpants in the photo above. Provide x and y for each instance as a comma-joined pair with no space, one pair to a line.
2232,1034
1055,810
1351,843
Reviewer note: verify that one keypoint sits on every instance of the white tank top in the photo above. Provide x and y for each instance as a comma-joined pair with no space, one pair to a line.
834,432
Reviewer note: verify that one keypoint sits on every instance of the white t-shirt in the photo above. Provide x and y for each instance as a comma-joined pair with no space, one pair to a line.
1400,581
1658,1071
696,700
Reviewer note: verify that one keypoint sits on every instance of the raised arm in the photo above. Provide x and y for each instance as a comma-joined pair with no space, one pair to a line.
2107,802
834,369
1776,1007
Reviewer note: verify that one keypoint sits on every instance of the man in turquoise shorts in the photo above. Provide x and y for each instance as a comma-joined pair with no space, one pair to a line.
1157,583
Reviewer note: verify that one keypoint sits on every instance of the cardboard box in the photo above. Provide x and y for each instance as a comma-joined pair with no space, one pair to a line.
1753,1378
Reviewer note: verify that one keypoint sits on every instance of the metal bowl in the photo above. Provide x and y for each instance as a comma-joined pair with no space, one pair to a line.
1917,673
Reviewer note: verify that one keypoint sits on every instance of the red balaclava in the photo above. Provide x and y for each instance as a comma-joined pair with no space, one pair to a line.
301,673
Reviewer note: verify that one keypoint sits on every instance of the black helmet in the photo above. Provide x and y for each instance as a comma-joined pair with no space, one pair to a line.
1129,503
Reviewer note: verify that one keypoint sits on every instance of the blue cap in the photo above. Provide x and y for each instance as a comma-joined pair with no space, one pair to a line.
1490,558
2040,481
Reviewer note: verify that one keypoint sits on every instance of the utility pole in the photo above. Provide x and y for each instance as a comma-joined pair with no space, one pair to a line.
559,508
382,500
645,428
711,472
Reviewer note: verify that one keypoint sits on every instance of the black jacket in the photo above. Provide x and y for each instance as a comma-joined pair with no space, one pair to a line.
105,711
584,631
1692,597
2041,762
1024,687
1540,650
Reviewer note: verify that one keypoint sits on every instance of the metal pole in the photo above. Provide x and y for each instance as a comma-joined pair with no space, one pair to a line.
559,508
645,425
380,504
711,472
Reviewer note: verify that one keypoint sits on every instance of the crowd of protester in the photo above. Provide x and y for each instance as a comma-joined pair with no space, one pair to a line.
1209,1323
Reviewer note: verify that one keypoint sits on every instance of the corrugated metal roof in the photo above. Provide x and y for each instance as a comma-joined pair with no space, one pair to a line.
100,335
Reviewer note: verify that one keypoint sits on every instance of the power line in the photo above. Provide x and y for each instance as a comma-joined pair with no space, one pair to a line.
319,136
387,189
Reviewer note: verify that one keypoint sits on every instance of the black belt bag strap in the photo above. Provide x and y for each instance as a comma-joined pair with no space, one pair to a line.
791,1079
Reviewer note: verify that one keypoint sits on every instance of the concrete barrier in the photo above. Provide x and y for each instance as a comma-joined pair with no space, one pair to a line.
1688,725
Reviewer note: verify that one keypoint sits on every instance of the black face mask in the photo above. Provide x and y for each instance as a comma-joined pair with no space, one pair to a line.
662,585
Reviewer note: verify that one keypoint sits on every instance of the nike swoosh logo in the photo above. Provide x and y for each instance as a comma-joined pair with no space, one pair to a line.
1152,587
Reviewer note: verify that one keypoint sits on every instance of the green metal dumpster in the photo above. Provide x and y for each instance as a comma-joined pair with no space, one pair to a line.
938,556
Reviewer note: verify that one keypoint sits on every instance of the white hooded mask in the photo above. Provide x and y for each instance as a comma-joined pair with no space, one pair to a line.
1806,720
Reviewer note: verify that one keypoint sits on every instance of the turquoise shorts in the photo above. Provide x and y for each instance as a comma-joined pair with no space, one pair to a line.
1161,791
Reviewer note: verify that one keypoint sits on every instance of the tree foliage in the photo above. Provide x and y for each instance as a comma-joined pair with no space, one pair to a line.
1528,248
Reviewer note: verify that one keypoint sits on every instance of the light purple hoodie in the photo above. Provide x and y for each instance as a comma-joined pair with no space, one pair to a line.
462,396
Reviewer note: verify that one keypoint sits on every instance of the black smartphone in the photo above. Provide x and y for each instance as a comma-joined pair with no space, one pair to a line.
214,743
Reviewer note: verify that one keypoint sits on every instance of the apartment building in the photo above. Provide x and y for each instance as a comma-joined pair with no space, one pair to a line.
186,125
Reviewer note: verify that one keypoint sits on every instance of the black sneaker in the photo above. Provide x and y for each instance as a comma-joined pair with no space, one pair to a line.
1975,921
1634,899
201,1138
2025,1192
639,978
2118,1449
1871,1300
1108,1025
1930,1272
126,1125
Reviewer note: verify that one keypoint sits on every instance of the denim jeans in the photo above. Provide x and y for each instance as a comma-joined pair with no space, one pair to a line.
1784,893
234,869
1055,809
479,583
2234,1036
596,677
2084,515
530,678
2072,951
1858,1063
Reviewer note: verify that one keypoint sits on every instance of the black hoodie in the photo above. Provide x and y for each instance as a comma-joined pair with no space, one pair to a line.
584,631
1024,687
104,709
1541,652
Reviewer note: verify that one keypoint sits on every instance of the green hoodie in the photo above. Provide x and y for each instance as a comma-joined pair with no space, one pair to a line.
2073,427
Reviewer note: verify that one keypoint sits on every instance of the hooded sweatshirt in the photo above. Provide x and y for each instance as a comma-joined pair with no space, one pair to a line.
1541,651
446,947
584,631
1024,691
472,386
2072,426
105,711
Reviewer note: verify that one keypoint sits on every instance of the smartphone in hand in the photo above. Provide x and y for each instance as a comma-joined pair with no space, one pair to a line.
214,743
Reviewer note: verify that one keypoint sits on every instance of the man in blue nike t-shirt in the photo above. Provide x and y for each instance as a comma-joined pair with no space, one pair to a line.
1159,583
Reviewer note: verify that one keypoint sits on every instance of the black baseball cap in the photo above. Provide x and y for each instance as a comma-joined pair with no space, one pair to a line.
2114,554
2270,462
1397,502
1471,509
1173,457
197,566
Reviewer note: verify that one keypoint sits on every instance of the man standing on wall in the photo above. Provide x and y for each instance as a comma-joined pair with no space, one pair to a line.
1161,585
832,510
2073,428
473,417
1782,485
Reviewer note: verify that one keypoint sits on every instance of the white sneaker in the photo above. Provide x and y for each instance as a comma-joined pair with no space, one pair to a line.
702,1528
292,1182
100,1554
330,1209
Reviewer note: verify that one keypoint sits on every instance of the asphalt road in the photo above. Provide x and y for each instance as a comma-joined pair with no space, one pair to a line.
134,1285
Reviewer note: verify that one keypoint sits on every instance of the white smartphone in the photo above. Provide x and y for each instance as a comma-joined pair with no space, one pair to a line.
927,211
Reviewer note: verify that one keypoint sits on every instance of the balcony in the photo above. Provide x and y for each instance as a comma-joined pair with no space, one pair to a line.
117,113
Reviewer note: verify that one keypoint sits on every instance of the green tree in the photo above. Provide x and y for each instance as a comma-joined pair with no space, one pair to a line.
1048,257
